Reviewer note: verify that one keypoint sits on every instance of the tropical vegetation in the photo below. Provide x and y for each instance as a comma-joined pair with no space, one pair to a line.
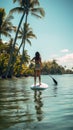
25,7
49,67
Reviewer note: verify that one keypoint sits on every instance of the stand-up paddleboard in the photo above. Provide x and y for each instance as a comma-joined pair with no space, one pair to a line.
43,86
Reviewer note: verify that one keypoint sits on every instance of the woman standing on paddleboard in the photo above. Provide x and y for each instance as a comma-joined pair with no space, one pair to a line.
37,69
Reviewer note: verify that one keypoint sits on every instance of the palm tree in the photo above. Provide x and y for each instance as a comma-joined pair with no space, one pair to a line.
26,6
25,39
25,36
5,24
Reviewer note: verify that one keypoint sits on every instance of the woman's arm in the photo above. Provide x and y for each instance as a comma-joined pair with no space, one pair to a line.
33,59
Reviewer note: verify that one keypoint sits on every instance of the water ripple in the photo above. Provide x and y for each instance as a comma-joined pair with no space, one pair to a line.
24,109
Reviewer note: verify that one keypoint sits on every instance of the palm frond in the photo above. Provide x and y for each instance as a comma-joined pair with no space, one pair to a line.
14,1
14,28
17,9
31,35
34,3
29,42
6,34
35,15
9,17
6,21
42,12
39,12
8,29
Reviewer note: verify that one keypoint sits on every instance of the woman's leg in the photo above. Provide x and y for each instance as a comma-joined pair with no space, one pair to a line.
35,77
39,76
39,79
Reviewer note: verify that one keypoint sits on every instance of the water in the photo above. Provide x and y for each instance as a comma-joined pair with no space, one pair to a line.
23,109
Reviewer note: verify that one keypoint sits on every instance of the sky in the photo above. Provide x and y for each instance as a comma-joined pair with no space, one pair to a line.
54,32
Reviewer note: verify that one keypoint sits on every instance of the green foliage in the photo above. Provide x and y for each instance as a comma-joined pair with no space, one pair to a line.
3,62
5,24
49,67
4,57
2,14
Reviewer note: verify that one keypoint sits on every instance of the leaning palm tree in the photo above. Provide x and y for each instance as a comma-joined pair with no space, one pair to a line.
26,6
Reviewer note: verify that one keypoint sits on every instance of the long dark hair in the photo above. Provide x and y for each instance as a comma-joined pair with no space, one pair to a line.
37,56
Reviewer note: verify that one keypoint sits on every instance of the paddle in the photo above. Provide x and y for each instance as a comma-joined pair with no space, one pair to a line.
54,80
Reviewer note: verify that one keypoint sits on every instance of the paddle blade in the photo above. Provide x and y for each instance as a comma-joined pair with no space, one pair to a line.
55,81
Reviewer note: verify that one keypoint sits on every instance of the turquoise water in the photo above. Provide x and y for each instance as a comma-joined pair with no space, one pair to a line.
24,109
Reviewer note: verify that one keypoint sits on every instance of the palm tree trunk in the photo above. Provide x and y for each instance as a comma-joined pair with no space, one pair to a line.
0,33
0,36
11,71
23,41
18,30
13,48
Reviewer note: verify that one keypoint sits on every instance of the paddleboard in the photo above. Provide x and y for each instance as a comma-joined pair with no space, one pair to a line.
43,86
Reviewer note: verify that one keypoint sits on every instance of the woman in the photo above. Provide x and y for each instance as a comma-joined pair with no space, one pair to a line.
37,69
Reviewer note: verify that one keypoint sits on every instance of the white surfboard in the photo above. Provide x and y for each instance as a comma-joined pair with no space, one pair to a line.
43,86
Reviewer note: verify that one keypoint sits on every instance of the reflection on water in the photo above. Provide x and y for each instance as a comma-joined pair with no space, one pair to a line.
38,105
55,89
12,100
15,104
24,109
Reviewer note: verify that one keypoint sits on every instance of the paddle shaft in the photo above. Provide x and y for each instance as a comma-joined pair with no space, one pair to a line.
54,80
